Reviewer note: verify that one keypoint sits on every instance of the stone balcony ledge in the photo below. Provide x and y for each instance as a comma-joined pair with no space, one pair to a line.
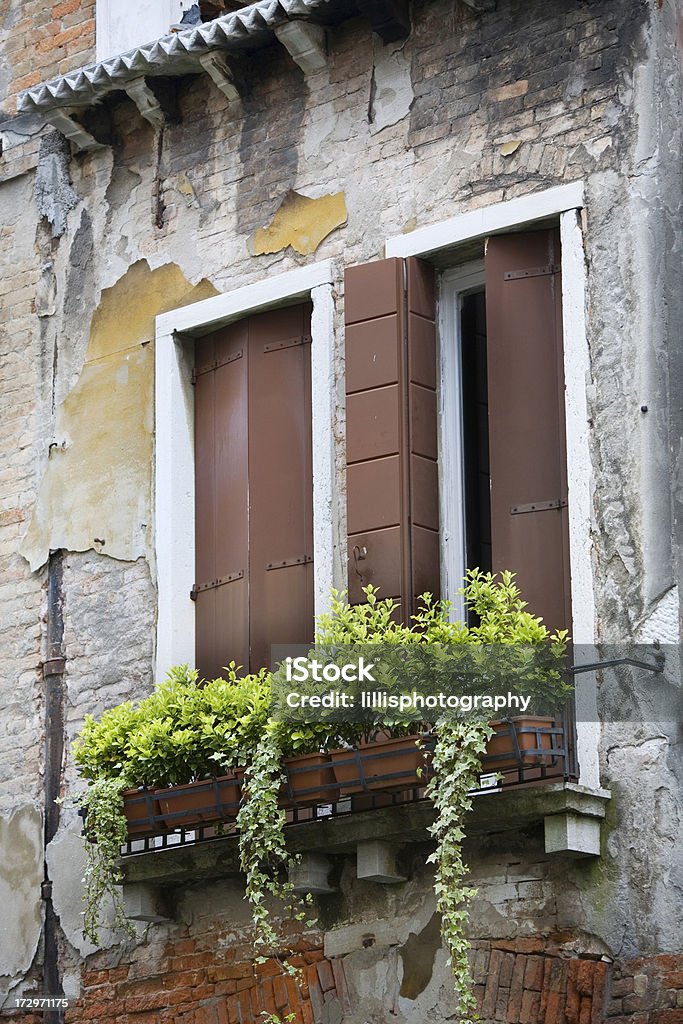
570,814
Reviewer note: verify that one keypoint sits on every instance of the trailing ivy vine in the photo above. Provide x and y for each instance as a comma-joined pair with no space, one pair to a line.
459,748
264,857
107,833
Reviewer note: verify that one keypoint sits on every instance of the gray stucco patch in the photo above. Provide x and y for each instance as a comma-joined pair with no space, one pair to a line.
53,191
21,874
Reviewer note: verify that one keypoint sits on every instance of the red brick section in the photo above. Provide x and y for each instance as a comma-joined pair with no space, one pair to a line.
528,981
199,981
647,991
48,39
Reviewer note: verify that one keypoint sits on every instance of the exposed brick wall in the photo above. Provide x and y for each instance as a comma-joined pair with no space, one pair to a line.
527,982
647,991
46,39
203,982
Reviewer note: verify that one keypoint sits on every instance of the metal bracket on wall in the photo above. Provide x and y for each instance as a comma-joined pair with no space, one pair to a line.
54,667
595,666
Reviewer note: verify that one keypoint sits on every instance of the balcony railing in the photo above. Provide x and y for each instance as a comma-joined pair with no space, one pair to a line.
522,752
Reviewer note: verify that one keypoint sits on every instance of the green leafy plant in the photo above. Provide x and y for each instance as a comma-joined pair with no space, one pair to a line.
187,730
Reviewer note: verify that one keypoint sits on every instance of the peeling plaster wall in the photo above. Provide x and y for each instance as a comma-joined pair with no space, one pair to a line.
470,110
21,872
96,491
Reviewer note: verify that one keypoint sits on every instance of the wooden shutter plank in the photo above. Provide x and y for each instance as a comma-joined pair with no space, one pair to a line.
371,354
280,473
373,427
423,465
221,494
391,429
526,418
374,495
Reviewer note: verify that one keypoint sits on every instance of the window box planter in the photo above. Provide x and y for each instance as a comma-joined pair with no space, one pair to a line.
310,780
200,802
383,765
524,740
141,810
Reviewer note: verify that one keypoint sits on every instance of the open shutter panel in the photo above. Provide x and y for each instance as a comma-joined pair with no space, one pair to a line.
253,490
281,484
221,500
529,517
392,486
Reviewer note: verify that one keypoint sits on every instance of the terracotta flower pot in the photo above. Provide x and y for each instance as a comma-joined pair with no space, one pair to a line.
385,764
310,780
532,740
196,803
141,809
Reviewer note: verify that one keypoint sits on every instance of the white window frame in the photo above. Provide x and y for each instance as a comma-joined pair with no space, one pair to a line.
566,203
174,486
454,285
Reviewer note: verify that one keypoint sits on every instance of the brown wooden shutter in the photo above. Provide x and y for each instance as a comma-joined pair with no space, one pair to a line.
391,435
221,500
280,481
253,489
529,517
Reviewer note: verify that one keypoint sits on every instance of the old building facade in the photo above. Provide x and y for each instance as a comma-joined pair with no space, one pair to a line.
163,195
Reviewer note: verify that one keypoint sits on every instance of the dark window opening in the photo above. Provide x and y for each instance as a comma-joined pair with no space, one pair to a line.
475,417
208,10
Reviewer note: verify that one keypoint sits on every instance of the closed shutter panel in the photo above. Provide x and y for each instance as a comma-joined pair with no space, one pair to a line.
392,485
280,481
221,500
253,490
529,516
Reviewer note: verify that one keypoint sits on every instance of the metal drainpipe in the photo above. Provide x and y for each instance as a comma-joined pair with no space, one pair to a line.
53,677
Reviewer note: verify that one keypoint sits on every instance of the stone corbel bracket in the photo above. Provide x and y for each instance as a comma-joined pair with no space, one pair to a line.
147,903
148,102
64,120
222,74
305,43
574,829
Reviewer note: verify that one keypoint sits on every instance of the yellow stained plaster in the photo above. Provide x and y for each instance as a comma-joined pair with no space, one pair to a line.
300,222
96,490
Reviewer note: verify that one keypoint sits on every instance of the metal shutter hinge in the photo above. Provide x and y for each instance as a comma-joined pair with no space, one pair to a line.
212,584
515,275
276,346
216,365
537,506
286,563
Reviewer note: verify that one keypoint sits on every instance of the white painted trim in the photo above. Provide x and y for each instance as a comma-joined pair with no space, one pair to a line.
174,501
487,221
563,201
453,285
577,378
210,314
174,445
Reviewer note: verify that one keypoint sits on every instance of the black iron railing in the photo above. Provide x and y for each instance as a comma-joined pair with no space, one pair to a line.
522,752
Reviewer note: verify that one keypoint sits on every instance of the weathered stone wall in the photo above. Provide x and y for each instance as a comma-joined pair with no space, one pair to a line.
470,110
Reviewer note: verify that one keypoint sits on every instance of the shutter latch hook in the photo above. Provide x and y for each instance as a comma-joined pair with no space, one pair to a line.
359,554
